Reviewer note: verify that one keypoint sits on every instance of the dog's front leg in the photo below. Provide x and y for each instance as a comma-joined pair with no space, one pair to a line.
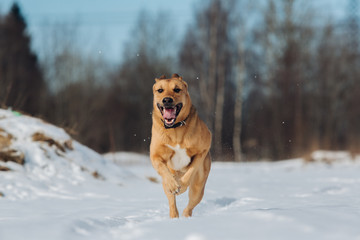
170,185
195,164
174,213
169,182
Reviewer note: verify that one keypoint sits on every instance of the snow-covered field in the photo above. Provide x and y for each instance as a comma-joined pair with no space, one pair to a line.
78,194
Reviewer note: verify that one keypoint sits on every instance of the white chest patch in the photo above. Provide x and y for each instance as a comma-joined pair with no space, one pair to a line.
180,158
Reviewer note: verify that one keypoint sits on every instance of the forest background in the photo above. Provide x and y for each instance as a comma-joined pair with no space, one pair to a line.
272,80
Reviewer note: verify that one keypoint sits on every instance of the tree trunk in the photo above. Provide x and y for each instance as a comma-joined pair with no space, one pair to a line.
220,98
213,67
238,106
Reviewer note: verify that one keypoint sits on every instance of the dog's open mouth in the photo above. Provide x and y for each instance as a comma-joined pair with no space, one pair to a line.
170,113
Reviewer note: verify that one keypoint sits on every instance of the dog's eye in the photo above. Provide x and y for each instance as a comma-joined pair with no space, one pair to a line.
177,90
160,90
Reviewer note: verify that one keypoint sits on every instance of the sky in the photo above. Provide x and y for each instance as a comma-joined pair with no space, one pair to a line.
106,24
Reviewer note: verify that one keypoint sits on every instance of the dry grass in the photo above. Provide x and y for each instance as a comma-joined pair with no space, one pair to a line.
6,153
4,169
68,144
41,137
97,175
5,139
153,179
11,155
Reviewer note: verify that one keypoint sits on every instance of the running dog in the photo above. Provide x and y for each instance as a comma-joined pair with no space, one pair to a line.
180,143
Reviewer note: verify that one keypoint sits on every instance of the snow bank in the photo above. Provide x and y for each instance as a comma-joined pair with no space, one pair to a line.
52,160
127,158
330,157
66,191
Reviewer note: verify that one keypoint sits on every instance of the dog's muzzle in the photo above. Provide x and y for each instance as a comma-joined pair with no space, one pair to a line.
169,111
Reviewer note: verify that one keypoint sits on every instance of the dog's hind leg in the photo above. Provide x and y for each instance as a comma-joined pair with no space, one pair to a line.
195,195
172,204
197,187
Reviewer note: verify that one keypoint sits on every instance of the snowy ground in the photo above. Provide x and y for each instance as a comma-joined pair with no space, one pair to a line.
56,198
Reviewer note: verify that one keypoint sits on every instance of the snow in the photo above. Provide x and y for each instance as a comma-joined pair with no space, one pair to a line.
53,197
50,172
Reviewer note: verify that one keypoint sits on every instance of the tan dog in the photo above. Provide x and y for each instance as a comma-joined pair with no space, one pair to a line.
180,143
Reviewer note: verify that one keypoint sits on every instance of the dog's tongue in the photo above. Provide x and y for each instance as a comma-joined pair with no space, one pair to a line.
169,113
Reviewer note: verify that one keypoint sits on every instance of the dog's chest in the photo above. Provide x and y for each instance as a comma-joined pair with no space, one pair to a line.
180,159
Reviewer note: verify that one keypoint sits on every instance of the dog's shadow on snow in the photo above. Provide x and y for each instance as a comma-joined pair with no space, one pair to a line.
221,203
224,201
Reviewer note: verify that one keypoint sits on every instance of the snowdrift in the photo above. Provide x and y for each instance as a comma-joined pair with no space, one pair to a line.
37,159
52,187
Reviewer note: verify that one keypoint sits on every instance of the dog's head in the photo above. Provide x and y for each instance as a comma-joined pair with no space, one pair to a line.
171,99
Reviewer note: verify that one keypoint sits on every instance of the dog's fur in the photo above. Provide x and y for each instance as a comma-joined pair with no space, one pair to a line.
180,155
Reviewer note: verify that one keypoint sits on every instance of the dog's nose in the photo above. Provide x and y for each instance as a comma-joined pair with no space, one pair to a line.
167,100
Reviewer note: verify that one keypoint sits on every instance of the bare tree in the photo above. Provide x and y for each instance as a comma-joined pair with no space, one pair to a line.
241,73
210,58
147,55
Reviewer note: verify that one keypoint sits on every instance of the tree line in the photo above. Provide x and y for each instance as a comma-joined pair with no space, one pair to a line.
272,80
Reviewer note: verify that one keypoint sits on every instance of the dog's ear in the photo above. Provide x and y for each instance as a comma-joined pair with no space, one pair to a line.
175,75
160,78
185,83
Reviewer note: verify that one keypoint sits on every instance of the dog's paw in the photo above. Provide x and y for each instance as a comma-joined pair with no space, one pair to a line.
187,213
172,186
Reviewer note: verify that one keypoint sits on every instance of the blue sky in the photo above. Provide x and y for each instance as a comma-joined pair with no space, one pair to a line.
106,24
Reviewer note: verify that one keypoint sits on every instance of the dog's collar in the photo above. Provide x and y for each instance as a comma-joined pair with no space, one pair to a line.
178,124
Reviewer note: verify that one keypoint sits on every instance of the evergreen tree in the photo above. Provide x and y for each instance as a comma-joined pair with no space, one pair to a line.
21,80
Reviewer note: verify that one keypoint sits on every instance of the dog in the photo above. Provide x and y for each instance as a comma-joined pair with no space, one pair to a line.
180,143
